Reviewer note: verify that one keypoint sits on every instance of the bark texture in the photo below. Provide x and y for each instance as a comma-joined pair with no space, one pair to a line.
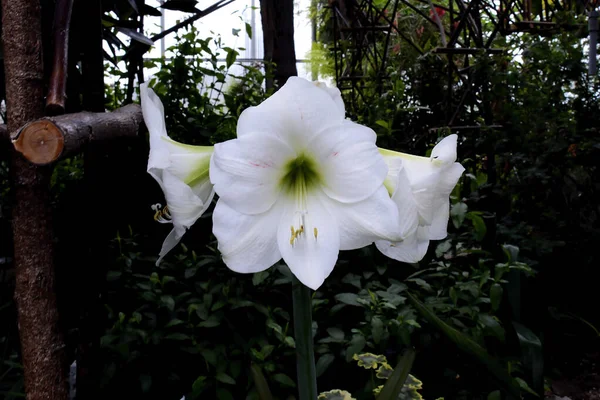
42,345
49,139
57,90
278,39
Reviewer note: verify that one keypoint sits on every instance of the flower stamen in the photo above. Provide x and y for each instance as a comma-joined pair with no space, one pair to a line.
161,214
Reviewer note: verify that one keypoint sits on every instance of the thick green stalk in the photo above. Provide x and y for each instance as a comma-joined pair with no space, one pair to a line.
305,355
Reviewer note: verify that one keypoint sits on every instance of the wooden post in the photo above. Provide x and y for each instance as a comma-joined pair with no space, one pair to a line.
278,38
49,139
57,90
42,344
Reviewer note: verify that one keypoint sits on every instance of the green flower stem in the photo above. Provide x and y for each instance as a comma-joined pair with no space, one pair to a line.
305,355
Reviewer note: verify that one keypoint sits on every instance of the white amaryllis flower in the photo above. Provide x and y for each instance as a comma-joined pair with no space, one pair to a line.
180,169
300,182
421,187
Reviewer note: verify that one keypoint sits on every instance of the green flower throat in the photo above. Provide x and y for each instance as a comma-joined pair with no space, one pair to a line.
300,176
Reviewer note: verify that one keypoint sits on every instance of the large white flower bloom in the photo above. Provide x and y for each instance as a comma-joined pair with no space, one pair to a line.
300,182
421,188
181,170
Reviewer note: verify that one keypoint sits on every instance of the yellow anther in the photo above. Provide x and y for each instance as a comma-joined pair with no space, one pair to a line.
161,215
316,232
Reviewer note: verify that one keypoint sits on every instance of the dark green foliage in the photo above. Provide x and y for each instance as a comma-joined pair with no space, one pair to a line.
523,231
201,96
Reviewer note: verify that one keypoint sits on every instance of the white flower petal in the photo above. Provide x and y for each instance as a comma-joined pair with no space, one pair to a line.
425,193
445,150
410,250
431,179
185,207
170,242
351,165
335,94
296,112
313,254
248,243
423,185
403,198
154,118
362,223
247,171
181,171
441,206
188,162
449,178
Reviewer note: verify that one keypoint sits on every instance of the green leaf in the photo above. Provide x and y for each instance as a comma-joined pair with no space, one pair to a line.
495,395
376,329
235,32
262,387
423,284
290,341
478,225
231,56
352,279
512,252
525,386
168,302
356,345
453,295
249,30
323,363
223,377
174,322
532,355
496,296
210,356
392,388
259,277
199,385
492,326
257,354
146,383
336,333
458,212
466,344
284,380
348,298
177,336
189,272
211,322
267,350
442,248
136,36
383,124
224,394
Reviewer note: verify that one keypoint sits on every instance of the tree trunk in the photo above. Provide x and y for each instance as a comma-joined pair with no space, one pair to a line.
278,39
42,345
